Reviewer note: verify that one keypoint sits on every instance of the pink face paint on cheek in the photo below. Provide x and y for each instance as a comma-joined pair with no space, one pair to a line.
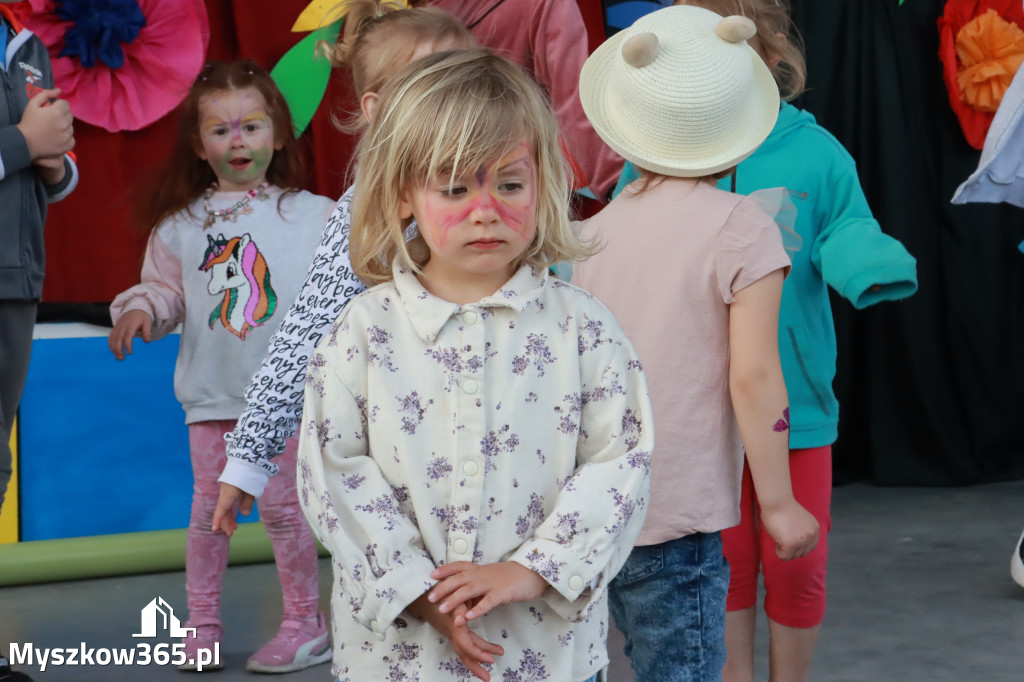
514,218
444,218
452,218
515,214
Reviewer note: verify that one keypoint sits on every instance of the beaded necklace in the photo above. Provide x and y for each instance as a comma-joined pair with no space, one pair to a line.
231,213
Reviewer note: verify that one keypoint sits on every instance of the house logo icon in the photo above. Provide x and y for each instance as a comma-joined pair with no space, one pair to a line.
159,612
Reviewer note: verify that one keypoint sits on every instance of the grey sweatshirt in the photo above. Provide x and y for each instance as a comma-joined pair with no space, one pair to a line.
230,285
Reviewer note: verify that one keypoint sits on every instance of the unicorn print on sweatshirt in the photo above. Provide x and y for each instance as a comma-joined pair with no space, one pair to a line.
238,271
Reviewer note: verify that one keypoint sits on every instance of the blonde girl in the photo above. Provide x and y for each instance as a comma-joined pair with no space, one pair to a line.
476,435
231,235
380,38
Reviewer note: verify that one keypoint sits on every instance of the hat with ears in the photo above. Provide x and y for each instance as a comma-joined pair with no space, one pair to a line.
680,92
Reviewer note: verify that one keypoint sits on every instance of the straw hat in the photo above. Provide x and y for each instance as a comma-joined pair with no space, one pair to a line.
680,92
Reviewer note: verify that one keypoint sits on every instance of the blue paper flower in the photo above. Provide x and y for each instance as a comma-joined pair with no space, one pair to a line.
99,28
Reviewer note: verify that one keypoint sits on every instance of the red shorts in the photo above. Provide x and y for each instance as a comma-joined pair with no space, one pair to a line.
794,590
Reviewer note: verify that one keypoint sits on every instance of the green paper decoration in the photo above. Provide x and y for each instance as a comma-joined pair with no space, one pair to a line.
302,75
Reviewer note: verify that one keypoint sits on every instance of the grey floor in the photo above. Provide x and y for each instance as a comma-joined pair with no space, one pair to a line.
919,589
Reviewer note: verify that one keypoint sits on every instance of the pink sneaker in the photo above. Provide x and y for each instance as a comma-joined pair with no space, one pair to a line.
296,645
209,635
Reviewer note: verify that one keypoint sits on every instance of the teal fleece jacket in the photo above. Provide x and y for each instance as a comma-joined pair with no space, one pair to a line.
843,247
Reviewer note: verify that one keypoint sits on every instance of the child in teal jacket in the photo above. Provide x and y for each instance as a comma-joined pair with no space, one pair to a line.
845,248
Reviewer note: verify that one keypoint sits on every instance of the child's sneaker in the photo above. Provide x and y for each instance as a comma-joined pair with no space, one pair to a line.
1017,562
209,635
296,645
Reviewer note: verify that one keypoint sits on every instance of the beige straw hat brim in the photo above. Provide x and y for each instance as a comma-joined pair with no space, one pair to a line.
701,106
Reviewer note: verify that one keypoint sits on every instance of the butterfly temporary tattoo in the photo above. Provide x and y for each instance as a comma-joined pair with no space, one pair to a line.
782,424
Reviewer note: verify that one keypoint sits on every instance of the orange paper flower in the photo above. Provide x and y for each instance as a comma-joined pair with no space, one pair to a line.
980,48
991,50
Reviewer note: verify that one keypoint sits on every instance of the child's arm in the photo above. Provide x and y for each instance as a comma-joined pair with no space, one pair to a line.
347,500
274,396
599,512
45,130
852,253
43,138
759,399
59,174
152,308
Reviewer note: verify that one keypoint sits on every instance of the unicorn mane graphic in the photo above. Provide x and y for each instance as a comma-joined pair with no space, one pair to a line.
238,269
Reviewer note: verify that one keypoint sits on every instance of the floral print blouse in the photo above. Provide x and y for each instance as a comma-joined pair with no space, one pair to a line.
517,428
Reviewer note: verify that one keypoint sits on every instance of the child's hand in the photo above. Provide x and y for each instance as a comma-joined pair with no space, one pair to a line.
793,528
231,501
491,585
131,324
47,126
50,168
471,649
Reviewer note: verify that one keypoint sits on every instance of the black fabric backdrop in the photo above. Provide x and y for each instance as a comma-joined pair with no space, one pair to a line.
931,388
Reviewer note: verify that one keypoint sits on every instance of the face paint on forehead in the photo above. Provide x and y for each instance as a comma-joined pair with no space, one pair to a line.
233,106
258,115
520,154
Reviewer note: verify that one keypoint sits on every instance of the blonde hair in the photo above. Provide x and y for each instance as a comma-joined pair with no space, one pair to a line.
777,34
380,37
447,113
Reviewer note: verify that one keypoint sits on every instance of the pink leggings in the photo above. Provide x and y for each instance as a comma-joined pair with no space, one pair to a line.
794,590
206,553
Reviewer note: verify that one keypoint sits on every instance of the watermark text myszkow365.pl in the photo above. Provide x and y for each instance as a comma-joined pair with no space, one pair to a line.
156,616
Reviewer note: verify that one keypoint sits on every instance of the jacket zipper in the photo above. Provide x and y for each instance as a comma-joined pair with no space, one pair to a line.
805,372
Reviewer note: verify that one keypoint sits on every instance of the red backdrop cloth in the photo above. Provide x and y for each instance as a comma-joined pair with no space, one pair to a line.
93,252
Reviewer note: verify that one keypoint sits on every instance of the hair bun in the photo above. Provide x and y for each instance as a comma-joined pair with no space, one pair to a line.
736,28
640,50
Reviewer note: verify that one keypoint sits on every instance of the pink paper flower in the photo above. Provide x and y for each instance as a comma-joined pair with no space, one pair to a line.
157,65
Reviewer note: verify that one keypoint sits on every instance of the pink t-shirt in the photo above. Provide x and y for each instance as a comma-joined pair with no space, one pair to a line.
672,259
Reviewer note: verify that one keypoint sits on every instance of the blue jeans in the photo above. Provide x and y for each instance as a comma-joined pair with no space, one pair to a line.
669,602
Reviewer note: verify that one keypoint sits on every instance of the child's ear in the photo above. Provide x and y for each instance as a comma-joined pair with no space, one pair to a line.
404,207
197,147
368,104
773,63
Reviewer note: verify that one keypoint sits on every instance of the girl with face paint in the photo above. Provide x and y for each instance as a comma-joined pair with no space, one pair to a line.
379,39
476,434
231,236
